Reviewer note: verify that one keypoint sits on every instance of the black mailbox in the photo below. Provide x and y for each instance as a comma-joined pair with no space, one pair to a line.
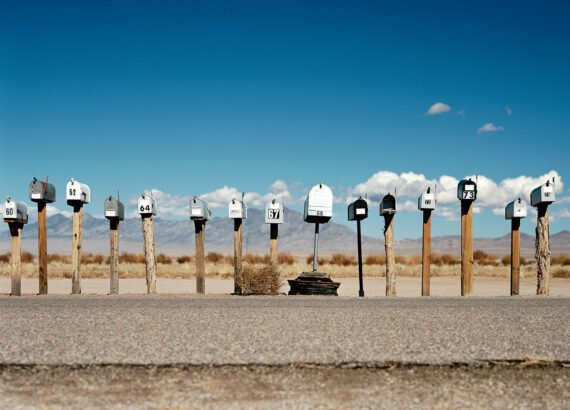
388,205
358,210
467,190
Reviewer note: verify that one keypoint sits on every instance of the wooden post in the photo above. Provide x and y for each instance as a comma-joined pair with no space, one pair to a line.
114,256
390,259
515,255
76,249
426,253
42,248
466,248
200,226
150,261
16,258
542,251
273,245
237,255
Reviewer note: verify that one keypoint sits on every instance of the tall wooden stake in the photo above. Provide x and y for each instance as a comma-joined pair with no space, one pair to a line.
542,251
150,261
76,249
390,259
114,256
426,253
237,255
515,255
200,226
466,248
42,248
273,245
15,260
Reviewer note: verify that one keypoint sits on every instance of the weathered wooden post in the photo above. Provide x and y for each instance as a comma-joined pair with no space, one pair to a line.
515,211
358,211
318,210
77,195
540,198
16,215
147,208
426,204
115,212
274,216
237,210
467,194
42,193
199,213
388,210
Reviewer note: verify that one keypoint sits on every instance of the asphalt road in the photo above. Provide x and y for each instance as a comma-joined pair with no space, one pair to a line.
226,330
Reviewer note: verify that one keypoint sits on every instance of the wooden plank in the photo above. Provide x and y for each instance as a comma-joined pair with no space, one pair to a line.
273,244
42,249
16,258
390,258
542,251
515,255
149,256
466,248
237,255
426,253
114,256
200,227
76,249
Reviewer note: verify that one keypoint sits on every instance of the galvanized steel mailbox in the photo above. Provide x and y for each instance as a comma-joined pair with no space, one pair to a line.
319,204
15,212
146,205
114,209
516,209
358,210
388,205
237,209
41,191
467,190
426,201
274,212
199,210
77,193
543,195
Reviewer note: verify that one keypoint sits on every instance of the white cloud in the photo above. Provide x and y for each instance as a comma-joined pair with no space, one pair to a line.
490,127
438,108
509,110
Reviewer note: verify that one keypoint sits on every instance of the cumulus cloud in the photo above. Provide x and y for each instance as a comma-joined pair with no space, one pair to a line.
490,127
438,108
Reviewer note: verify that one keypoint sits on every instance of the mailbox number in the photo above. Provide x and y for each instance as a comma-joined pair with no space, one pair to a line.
143,208
273,213
468,195
72,192
319,213
9,211
547,194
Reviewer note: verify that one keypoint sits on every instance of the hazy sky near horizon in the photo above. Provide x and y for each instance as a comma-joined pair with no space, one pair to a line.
213,98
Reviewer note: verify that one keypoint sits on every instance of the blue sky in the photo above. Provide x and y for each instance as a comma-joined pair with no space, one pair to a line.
188,98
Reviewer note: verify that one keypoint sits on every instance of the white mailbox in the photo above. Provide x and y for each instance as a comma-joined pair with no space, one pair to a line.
319,204
388,205
274,212
543,195
237,209
77,193
114,209
199,210
467,190
516,209
146,205
426,201
15,212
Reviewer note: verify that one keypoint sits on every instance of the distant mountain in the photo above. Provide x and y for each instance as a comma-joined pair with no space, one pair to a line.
177,237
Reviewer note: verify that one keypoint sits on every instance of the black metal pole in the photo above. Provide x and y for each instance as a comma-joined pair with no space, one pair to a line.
361,290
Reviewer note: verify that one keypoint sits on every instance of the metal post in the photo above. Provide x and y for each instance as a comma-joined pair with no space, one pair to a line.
316,249
360,283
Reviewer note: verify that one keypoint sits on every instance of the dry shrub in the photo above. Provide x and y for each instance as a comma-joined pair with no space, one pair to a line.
484,259
444,259
563,260
184,259
131,258
89,258
415,260
164,259
286,259
480,256
27,257
214,257
321,261
375,260
256,259
56,257
341,259
506,260
5,258
401,260
561,273
260,280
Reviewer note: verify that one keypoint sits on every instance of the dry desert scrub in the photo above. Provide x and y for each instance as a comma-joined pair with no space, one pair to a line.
262,279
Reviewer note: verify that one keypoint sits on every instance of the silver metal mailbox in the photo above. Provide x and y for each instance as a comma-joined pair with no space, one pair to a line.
319,204
467,190
199,210
543,194
77,193
41,191
516,209
358,210
274,212
426,201
15,212
237,209
146,205
388,205
114,209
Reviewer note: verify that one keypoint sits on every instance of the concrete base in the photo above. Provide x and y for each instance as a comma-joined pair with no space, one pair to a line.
313,283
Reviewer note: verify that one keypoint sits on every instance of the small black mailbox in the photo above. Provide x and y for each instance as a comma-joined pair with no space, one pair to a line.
358,210
388,205
467,190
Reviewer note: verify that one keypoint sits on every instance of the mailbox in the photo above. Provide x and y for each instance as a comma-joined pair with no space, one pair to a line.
146,205
388,205
467,190
41,191
274,212
543,195
77,193
237,209
515,209
15,212
358,210
426,201
319,204
199,210
114,209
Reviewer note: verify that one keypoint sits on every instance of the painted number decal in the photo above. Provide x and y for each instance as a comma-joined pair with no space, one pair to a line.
273,213
145,208
72,191
468,195
10,211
